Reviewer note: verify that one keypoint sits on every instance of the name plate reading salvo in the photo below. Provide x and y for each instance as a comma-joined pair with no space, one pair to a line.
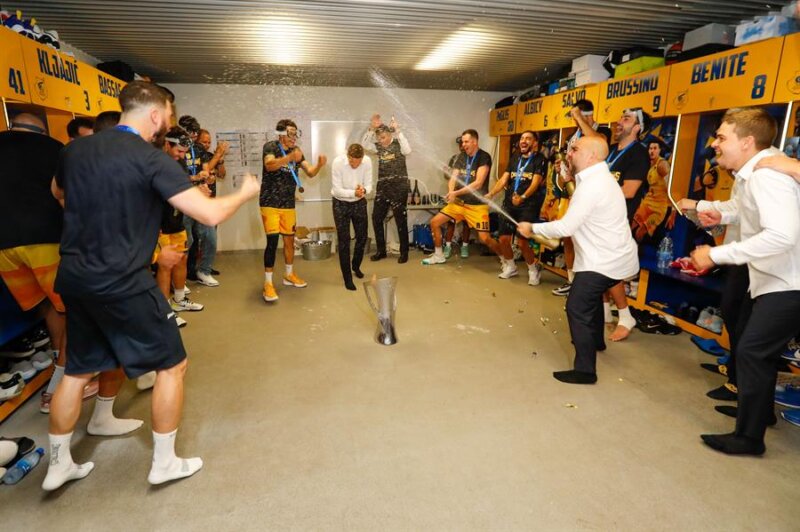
558,105
736,78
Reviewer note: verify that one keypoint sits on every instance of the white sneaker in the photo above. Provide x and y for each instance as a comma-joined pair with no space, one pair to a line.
180,322
146,381
24,368
185,304
535,275
434,259
206,279
509,269
42,360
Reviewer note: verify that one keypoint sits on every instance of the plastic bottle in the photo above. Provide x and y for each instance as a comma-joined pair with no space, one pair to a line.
664,254
23,466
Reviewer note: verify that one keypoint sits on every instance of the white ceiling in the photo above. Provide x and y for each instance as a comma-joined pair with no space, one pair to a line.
500,45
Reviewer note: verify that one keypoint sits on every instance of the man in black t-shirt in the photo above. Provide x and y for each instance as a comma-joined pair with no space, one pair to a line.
629,162
113,184
521,179
282,159
468,185
451,227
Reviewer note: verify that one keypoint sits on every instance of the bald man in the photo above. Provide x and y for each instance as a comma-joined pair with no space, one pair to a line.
605,252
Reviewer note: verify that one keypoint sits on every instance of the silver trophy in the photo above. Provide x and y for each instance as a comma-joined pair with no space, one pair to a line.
385,308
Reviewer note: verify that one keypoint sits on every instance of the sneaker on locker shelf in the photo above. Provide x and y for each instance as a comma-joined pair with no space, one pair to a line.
789,396
206,279
185,304
19,348
25,368
792,416
792,355
562,290
38,337
11,385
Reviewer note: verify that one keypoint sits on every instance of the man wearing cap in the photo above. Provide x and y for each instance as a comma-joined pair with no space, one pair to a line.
282,158
391,191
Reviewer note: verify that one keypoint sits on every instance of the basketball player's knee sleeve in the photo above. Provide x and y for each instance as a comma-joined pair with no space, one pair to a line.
271,250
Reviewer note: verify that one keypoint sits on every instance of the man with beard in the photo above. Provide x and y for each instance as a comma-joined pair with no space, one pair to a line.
114,183
767,207
605,251
521,179
392,188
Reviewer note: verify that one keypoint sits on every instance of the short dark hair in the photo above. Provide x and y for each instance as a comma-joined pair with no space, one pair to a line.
105,120
189,123
356,151
585,105
534,134
76,123
755,122
170,94
178,135
285,123
471,133
140,93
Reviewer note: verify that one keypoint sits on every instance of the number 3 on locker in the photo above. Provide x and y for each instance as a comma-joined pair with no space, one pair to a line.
86,100
15,81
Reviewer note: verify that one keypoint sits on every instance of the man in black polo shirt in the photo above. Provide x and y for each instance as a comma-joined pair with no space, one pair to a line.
114,184
629,162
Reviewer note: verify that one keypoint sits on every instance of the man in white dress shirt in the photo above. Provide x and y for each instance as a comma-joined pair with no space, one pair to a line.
351,177
767,208
605,252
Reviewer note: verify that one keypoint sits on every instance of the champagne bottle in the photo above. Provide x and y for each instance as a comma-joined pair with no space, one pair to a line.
415,197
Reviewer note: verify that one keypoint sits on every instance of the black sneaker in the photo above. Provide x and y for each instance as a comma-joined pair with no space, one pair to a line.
562,290
19,348
38,337
215,272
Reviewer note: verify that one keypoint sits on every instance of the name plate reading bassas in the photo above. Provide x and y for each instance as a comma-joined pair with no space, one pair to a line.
13,80
558,105
647,90
103,90
54,78
788,87
736,78
502,121
531,115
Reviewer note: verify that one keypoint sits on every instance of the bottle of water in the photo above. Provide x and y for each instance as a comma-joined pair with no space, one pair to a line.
664,254
23,466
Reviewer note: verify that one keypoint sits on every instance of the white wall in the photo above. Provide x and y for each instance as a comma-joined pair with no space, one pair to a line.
431,119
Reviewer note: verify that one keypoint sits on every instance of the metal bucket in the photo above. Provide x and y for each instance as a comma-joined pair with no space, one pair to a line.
319,250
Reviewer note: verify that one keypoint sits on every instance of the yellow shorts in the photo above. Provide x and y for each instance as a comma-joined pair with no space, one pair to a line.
278,221
174,239
476,216
30,274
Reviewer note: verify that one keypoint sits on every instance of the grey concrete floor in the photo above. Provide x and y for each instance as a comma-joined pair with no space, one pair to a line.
305,423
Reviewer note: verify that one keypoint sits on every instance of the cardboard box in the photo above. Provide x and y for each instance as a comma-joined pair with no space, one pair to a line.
764,28
641,64
587,62
710,33
591,76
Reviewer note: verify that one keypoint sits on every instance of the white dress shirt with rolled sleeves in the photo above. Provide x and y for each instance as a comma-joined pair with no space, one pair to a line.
345,178
767,207
597,221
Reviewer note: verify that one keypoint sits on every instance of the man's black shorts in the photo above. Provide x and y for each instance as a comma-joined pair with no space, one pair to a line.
522,213
137,333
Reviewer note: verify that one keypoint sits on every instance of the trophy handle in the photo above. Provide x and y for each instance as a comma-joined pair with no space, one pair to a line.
369,298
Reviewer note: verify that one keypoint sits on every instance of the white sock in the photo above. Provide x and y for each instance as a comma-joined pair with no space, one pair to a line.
268,277
166,466
438,251
58,374
532,267
61,468
607,317
103,422
178,294
146,381
289,269
448,244
625,318
570,276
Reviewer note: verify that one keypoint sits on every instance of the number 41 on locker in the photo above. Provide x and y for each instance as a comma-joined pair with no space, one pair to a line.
15,81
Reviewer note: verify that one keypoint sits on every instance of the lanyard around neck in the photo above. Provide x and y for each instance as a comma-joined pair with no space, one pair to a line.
617,154
291,167
129,129
469,167
520,170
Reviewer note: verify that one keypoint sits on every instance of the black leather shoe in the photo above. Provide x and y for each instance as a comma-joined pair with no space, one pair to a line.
723,393
575,377
378,256
402,259
349,285
733,444
358,273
